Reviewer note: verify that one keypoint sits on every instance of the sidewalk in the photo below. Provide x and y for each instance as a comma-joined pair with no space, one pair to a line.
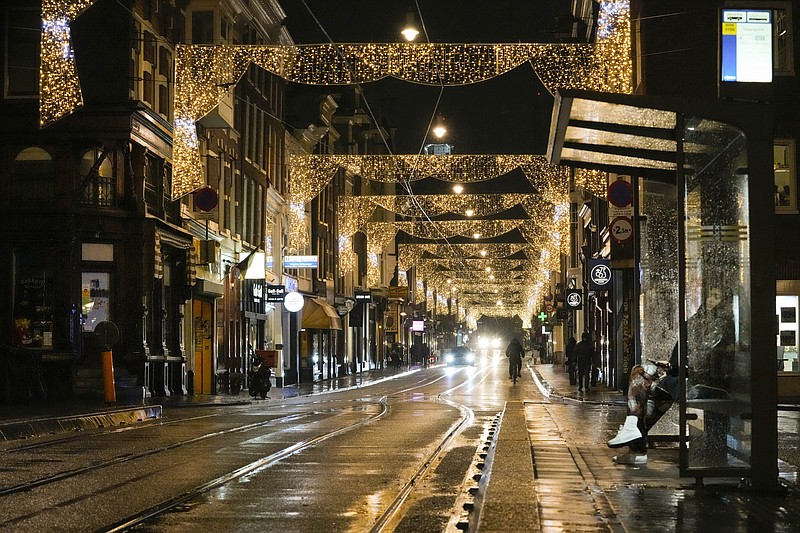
554,381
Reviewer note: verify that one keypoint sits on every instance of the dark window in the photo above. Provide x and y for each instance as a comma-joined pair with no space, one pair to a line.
33,298
203,27
22,52
782,43
149,46
147,88
163,100
165,62
32,176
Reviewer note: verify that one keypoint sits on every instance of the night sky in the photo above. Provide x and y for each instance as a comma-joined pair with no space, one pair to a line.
509,114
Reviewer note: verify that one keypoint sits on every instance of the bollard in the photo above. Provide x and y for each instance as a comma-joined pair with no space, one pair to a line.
108,376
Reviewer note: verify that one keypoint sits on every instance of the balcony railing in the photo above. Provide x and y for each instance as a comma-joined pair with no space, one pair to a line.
99,192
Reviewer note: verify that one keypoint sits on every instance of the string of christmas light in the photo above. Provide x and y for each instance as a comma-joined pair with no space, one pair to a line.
204,73
408,254
431,265
477,205
298,228
485,229
379,235
59,86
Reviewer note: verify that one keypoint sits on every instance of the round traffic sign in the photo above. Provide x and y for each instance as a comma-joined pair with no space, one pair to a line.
620,193
621,229
206,199
107,333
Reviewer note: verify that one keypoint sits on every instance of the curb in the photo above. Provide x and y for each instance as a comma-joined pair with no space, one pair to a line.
51,426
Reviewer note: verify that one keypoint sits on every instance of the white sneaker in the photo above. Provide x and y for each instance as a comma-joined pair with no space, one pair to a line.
628,433
631,458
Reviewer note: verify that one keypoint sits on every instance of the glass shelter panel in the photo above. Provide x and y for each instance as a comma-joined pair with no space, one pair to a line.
717,299
658,298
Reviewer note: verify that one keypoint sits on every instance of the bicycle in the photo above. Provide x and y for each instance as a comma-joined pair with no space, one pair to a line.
514,371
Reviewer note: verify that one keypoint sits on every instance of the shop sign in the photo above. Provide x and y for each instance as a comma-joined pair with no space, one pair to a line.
276,293
599,274
301,261
253,295
746,46
363,296
574,299
293,302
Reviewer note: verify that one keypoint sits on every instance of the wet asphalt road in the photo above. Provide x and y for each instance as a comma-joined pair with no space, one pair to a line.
548,470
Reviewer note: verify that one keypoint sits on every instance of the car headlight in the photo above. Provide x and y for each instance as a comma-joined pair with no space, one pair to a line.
470,357
448,358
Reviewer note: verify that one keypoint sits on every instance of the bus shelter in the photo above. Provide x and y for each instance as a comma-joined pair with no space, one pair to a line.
704,268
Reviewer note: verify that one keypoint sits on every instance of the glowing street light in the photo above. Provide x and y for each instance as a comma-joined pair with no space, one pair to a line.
410,30
439,129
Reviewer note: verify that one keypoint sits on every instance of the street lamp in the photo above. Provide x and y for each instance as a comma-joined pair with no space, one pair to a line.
410,30
439,129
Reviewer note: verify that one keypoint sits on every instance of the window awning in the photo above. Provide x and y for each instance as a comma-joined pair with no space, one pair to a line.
319,314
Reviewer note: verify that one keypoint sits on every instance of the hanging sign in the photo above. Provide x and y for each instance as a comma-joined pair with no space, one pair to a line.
275,293
599,274
293,302
574,299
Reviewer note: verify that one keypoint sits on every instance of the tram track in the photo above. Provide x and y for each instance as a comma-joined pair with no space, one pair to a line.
387,519
390,516
61,476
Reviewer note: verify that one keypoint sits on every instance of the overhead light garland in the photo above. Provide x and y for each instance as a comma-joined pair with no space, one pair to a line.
59,86
433,265
477,205
409,253
204,73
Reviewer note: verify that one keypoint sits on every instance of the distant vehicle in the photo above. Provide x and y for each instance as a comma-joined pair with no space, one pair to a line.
459,355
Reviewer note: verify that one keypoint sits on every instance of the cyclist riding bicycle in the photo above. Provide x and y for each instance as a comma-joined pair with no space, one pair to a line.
515,352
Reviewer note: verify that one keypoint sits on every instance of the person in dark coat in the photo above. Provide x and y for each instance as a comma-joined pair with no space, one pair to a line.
584,356
515,353
571,360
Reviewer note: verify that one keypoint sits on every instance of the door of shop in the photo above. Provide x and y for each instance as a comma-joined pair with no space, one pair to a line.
204,374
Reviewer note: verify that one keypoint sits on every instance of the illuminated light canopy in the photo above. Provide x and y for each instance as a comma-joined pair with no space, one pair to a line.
204,73
59,86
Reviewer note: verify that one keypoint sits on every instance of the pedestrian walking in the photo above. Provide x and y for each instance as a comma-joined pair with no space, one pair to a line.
584,356
571,360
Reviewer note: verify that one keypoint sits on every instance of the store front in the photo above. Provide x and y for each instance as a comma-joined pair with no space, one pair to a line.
319,324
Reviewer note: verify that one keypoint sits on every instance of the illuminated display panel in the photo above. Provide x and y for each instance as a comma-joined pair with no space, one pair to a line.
746,46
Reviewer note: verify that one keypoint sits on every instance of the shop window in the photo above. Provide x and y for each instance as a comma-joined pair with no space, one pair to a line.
787,342
95,299
33,298
23,32
785,170
32,176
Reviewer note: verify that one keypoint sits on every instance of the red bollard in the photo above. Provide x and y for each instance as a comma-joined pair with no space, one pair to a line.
108,376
